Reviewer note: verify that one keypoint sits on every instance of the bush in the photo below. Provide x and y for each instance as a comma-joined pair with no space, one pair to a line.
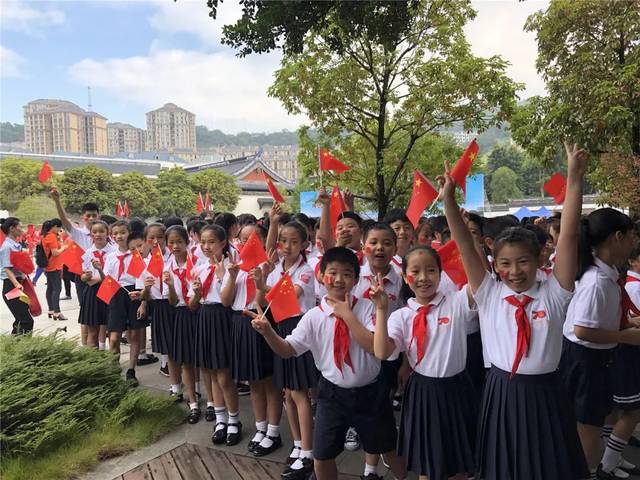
36,209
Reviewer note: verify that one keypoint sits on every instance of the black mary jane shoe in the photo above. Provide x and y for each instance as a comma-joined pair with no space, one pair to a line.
219,434
210,414
260,451
253,444
234,438
300,474
291,459
194,416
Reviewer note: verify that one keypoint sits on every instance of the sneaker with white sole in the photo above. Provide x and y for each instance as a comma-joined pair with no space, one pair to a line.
352,440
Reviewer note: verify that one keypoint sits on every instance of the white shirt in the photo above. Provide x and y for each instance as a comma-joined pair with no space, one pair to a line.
318,287
82,236
633,288
171,266
446,352
159,290
112,264
396,263
596,304
446,284
240,296
546,314
195,252
302,276
89,255
392,286
9,245
315,332
201,272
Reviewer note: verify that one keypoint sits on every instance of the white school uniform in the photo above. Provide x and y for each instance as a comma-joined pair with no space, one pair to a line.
596,304
90,254
315,333
201,272
446,284
172,267
499,329
633,288
195,252
82,236
112,264
396,263
159,290
302,276
240,296
392,286
446,352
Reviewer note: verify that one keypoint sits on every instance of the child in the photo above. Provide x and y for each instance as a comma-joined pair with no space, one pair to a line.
397,219
295,375
93,311
214,335
438,418
194,227
339,335
229,222
526,418
593,329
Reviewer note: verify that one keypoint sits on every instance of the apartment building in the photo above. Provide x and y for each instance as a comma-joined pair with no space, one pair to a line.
125,138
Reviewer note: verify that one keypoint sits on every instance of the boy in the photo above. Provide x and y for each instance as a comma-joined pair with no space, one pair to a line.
405,234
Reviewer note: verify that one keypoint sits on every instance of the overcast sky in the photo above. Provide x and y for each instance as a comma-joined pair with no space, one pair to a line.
138,55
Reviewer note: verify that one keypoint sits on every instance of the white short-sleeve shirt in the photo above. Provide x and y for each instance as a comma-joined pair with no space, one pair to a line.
302,276
633,287
392,286
201,271
240,300
315,333
596,304
172,267
446,352
91,254
82,236
396,263
111,267
499,329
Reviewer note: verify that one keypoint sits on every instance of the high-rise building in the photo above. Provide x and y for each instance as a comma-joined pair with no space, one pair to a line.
61,126
125,138
171,128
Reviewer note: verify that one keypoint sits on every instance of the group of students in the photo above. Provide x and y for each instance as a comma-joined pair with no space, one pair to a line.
527,371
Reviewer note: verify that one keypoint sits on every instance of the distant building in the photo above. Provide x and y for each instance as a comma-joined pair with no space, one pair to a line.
282,159
62,126
172,129
125,138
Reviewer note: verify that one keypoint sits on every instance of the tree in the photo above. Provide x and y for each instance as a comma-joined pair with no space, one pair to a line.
504,185
11,132
222,188
374,98
530,175
36,209
175,193
18,180
140,193
87,184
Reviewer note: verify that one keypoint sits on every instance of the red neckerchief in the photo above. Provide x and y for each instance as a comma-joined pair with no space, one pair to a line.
342,342
420,331
182,276
100,256
626,303
121,259
524,329
206,285
250,286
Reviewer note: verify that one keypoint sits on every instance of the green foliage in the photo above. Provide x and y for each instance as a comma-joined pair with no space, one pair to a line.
36,209
19,180
175,193
222,187
140,193
87,184
11,132
504,185
206,138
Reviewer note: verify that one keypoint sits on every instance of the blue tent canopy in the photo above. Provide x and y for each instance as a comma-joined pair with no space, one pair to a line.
543,212
523,212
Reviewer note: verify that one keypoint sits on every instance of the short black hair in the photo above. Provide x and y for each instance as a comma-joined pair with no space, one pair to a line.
90,207
340,255
493,227
135,235
397,214
478,220
180,230
635,253
137,224
110,219
351,215
542,236
439,223
380,226
517,235
161,226
366,224
119,223
304,219
173,220
246,219
196,225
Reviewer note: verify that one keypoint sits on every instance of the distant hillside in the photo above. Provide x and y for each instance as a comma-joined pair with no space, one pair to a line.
206,138
11,132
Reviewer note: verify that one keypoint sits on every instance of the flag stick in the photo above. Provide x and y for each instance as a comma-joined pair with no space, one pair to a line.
320,165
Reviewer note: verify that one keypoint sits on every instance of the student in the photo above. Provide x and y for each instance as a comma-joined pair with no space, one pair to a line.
295,375
93,311
593,329
214,335
397,219
424,233
339,334
11,277
437,430
521,324
229,222
53,270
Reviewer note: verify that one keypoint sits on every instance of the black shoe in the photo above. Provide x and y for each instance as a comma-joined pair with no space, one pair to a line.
634,441
291,459
131,379
631,471
164,370
219,434
301,473
252,444
260,451
147,360
234,438
124,341
210,414
177,396
602,475
68,297
371,476
194,416
243,389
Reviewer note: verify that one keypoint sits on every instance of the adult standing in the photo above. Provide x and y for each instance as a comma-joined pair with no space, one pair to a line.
53,271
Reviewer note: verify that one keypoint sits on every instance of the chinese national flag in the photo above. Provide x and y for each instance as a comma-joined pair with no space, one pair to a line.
336,207
22,261
283,299
275,193
156,264
2,237
556,186
452,263
136,265
119,210
329,162
462,167
207,203
126,209
252,253
108,288
72,257
199,204
45,173
424,193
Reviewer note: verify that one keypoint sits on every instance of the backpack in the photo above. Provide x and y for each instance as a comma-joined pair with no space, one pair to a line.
42,260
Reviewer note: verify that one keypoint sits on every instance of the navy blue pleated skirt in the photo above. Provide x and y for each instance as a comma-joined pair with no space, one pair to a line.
438,426
162,326
528,430
251,357
93,311
475,362
295,373
122,311
214,337
625,376
183,347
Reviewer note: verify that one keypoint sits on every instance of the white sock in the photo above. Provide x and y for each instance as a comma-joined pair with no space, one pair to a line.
593,474
370,469
306,454
626,464
234,420
164,360
261,427
295,453
221,414
102,345
193,405
210,404
175,388
272,431
613,452
142,356
297,465
297,444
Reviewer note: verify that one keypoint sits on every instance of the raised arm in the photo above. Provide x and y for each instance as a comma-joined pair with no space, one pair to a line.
66,223
324,231
274,226
383,346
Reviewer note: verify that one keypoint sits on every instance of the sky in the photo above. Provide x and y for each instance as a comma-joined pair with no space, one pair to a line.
138,55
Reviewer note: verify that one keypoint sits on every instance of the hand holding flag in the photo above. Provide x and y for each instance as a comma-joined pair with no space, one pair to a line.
273,190
72,257
337,206
556,186
252,253
283,299
462,167
136,265
156,263
423,194
108,288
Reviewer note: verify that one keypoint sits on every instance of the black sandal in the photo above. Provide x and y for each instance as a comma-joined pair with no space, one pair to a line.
260,451
252,444
219,434
210,414
194,415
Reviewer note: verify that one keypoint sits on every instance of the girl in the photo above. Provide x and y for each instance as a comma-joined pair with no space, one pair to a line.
595,324
296,375
53,270
93,311
229,222
526,418
183,347
437,429
11,277
214,335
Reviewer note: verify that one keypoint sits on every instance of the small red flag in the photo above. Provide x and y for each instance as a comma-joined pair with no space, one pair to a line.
199,204
108,288
329,162
72,257
337,206
275,193
15,293
156,264
207,203
283,299
126,209
45,173
252,253
452,263
119,210
2,237
22,261
136,265
423,194
462,167
556,186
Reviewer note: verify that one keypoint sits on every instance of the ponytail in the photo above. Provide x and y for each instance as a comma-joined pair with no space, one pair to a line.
7,223
585,251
